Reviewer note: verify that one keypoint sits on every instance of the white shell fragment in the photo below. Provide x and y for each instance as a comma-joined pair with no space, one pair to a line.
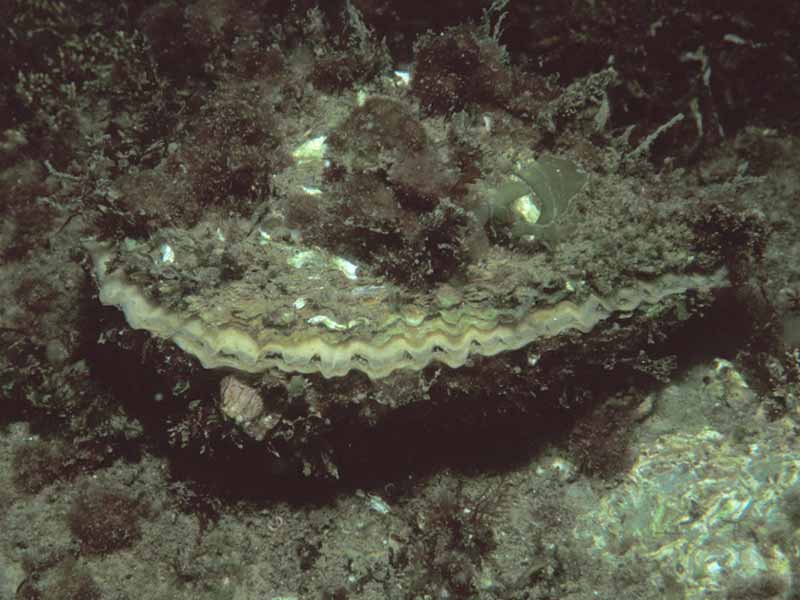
377,504
301,259
312,149
167,254
525,207
345,266
326,322
402,77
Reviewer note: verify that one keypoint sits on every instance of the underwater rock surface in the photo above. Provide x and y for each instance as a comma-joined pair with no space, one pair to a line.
370,300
